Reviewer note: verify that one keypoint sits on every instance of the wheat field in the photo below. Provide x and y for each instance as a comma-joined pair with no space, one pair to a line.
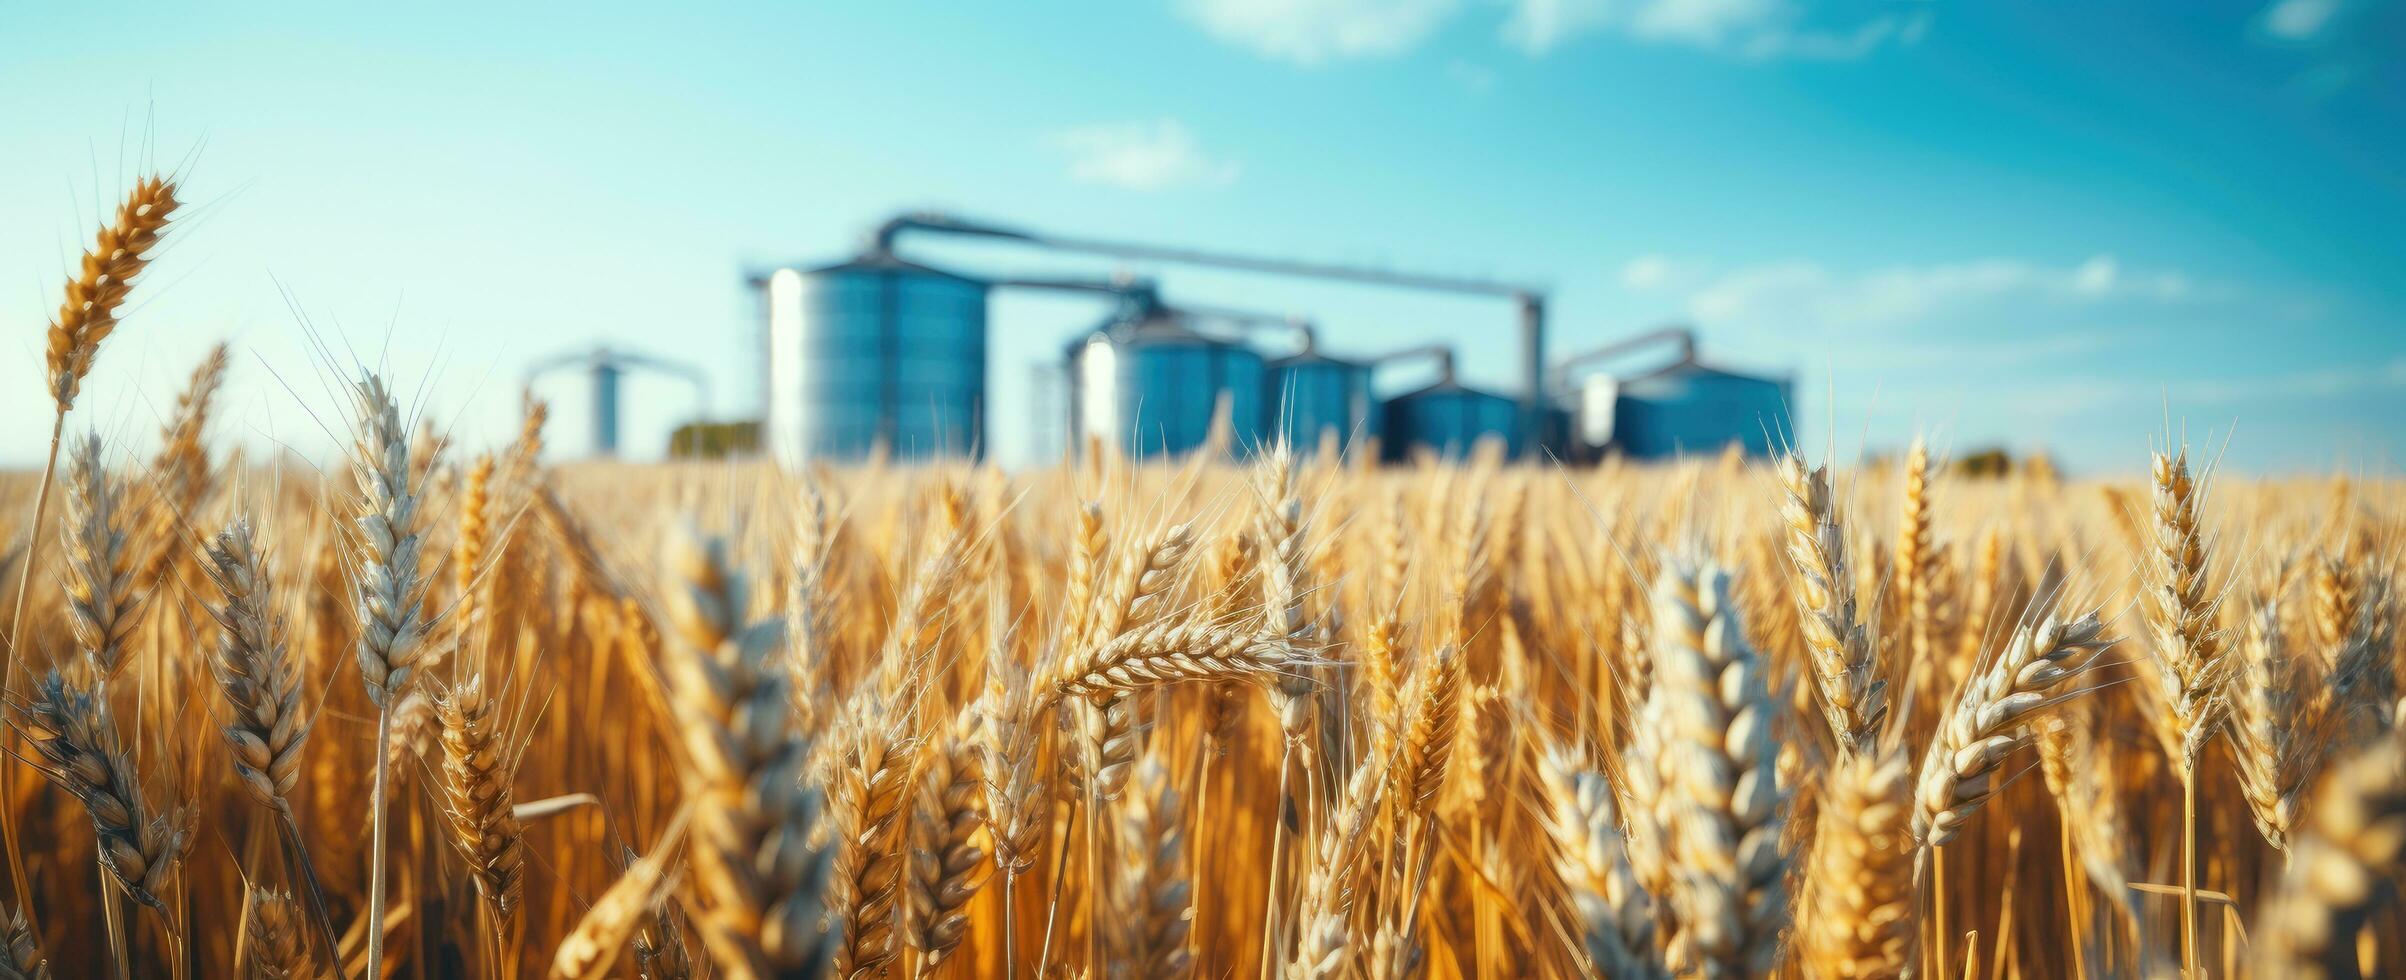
443,710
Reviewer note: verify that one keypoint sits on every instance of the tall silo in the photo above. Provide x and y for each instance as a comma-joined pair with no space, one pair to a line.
1150,384
876,352
1313,395
1690,409
1450,419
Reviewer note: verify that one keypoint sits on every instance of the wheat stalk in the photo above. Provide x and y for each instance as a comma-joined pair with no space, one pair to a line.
86,317
475,536
267,726
119,253
180,471
1914,561
2341,871
103,598
1151,890
478,767
871,795
272,938
592,946
1718,766
1168,652
946,863
75,741
759,881
1590,854
1864,905
2193,664
391,617
1845,669
2278,744
20,953
1990,719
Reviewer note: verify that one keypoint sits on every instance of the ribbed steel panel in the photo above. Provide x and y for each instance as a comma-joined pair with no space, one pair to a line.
876,353
1313,396
1698,410
1450,420
1151,388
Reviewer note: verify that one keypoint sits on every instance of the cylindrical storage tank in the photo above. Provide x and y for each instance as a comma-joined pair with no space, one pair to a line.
876,352
1450,420
1692,409
1312,396
1151,385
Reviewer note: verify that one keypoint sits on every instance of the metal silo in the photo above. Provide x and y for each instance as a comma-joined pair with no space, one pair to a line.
1149,383
1450,419
876,352
1313,395
1691,409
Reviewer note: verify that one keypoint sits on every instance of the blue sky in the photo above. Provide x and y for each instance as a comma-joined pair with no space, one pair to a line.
2036,225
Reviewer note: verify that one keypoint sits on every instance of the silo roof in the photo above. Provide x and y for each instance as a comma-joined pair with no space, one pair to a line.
1694,368
1315,356
1449,386
888,262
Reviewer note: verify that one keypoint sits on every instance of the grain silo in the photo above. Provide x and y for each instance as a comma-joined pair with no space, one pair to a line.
1685,407
1448,417
1314,395
1149,383
875,353
1689,409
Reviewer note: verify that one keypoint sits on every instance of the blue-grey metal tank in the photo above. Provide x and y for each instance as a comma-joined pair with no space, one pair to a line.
1450,419
1312,396
1692,409
1149,383
876,353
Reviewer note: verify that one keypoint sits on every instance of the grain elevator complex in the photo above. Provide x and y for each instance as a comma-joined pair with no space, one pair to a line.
883,354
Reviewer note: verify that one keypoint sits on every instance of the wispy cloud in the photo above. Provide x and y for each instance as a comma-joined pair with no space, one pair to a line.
1310,32
1144,156
2299,20
1757,29
1654,271
1802,289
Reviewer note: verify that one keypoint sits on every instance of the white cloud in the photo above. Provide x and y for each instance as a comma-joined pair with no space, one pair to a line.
1798,289
1143,156
1309,32
1646,271
1758,29
2299,20
2096,276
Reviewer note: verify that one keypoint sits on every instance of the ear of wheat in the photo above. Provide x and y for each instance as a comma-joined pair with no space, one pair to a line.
947,864
1853,696
760,882
1151,885
1864,902
2340,872
75,742
273,937
89,314
479,765
2192,661
20,954
1990,719
103,599
1616,915
1719,767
